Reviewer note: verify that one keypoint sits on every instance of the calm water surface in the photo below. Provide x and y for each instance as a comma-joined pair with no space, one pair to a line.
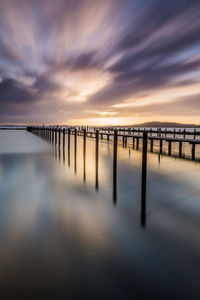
63,236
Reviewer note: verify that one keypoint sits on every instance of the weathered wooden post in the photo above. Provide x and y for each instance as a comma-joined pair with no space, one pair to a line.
108,136
194,134
52,135
180,149
69,131
133,143
97,159
56,136
161,145
165,132
144,178
184,133
59,137
115,167
137,143
151,145
75,148
174,132
169,148
84,154
193,151
63,137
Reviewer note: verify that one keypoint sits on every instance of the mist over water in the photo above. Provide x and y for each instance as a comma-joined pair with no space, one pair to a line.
63,236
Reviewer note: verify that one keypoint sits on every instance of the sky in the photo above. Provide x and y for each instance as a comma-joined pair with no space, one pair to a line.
98,62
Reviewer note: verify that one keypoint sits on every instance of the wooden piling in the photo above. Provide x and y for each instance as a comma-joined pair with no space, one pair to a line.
151,145
97,159
144,178
84,155
193,151
59,137
137,143
69,132
169,148
115,167
180,149
161,146
75,149
63,137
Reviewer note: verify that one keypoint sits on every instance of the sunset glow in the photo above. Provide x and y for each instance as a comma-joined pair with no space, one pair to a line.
99,62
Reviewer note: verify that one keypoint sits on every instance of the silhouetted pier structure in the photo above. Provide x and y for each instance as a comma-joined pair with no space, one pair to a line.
131,137
138,140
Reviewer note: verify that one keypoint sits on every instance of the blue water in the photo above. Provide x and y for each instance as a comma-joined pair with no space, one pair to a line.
62,238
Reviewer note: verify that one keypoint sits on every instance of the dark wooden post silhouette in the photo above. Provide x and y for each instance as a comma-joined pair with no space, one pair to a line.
75,148
180,149
144,178
63,137
69,131
161,145
115,167
84,153
59,137
55,136
97,159
193,151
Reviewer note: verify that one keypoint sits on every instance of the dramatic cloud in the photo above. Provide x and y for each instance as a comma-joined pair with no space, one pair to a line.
90,61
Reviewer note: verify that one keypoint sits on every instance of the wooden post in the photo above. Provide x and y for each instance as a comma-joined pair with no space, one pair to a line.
59,137
165,132
180,149
115,167
52,132
63,137
151,145
174,132
193,151
56,136
161,145
133,143
97,159
75,148
108,137
137,143
194,134
184,133
169,147
84,154
144,178
69,131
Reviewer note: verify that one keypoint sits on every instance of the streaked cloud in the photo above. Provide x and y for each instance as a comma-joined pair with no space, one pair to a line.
84,61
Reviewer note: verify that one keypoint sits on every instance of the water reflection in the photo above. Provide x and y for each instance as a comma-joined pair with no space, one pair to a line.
56,231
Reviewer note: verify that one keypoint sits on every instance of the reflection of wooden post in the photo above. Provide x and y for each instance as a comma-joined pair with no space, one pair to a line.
69,131
115,168
144,178
97,159
84,153
75,148
63,137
